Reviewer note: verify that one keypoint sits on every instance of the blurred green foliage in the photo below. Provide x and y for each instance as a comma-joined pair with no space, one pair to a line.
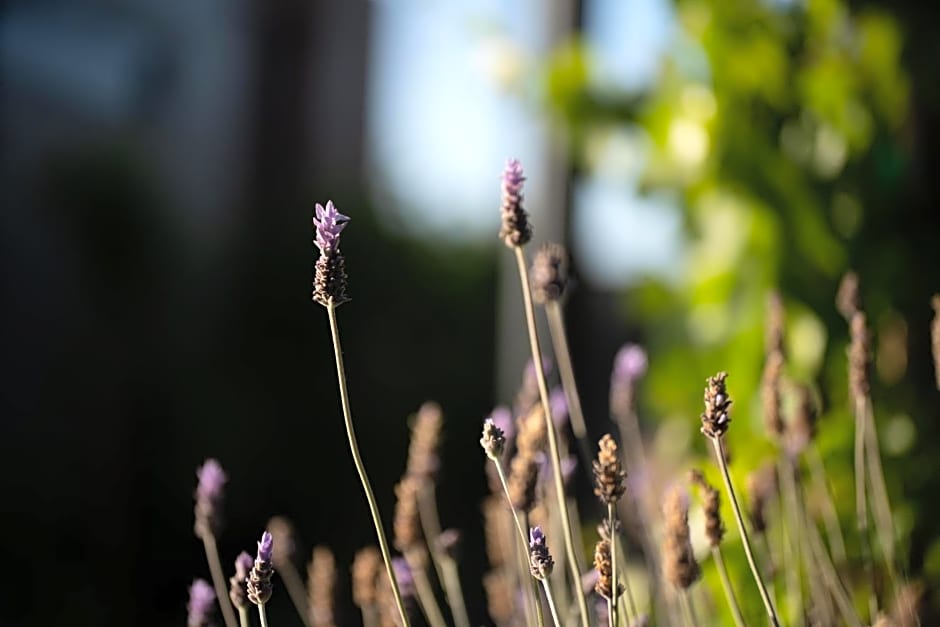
783,129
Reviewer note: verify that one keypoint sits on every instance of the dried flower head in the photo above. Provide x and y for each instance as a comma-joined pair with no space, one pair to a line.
493,440
499,596
608,472
540,560
605,572
423,460
679,565
935,337
549,273
407,522
527,397
282,532
515,230
524,466
329,283
859,353
715,419
802,428
365,572
238,591
321,587
209,494
848,300
259,579
711,504
201,604
775,323
761,487
770,395
497,531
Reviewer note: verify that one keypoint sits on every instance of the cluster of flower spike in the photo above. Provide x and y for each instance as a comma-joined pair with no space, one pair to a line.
329,283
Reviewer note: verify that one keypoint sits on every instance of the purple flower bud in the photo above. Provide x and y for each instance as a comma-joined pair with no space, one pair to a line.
502,419
329,281
209,494
559,406
629,364
515,230
404,576
329,224
201,603
237,583
540,560
259,579
493,440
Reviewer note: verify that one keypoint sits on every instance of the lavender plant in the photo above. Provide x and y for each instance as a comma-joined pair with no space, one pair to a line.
210,492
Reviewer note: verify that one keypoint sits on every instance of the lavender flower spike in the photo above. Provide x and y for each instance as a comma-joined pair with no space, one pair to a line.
516,230
493,440
209,494
238,590
629,364
329,224
540,560
329,284
201,603
259,579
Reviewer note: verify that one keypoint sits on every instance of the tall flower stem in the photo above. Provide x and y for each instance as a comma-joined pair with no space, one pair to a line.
243,618
689,607
726,585
556,327
739,519
360,467
295,590
881,505
573,563
455,597
551,602
218,579
424,591
522,536
263,615
830,516
861,505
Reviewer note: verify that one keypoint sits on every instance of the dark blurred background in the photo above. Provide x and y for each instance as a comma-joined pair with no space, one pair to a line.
159,167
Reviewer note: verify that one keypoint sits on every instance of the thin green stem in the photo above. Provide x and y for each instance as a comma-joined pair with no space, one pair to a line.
263,615
739,519
295,590
454,591
881,504
425,593
792,525
612,604
243,617
573,563
726,585
218,579
686,602
830,516
551,602
861,505
522,537
360,467
430,523
559,337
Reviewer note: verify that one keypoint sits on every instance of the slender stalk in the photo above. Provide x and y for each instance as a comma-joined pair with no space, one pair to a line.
688,607
430,523
295,590
559,337
424,591
454,592
726,585
263,615
831,577
243,618
612,603
791,522
573,563
522,535
632,614
861,505
739,519
830,515
881,505
218,579
551,602
360,467
369,618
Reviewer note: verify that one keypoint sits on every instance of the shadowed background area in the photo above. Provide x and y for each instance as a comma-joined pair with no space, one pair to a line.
159,164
